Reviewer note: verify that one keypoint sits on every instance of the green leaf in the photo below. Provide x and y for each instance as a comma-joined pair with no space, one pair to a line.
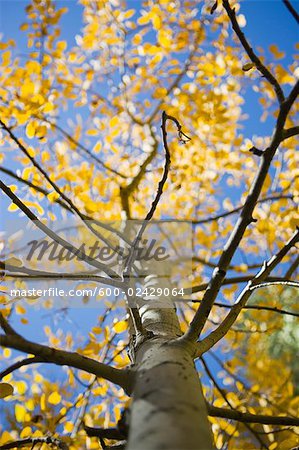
248,66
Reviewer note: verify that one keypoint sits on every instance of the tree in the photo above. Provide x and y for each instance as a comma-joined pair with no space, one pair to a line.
80,139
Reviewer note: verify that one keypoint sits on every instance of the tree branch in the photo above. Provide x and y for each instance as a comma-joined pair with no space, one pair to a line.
213,411
239,208
45,192
290,132
131,257
17,272
232,316
250,52
19,364
75,251
33,441
232,280
6,327
292,10
259,308
104,433
64,358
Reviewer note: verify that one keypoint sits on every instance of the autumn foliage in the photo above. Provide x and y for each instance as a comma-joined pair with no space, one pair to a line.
80,114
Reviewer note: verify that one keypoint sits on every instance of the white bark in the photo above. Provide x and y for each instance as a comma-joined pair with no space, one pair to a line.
168,410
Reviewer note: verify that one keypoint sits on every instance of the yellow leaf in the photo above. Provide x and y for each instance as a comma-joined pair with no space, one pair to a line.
144,19
6,389
21,387
43,402
276,52
24,27
120,326
164,38
30,129
68,427
92,132
97,147
20,412
20,309
26,432
12,207
27,89
61,45
36,206
114,121
6,437
128,14
157,22
6,353
54,398
52,196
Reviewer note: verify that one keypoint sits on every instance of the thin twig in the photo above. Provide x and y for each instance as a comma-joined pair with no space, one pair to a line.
250,52
19,364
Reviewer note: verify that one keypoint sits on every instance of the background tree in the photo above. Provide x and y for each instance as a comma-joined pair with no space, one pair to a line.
80,137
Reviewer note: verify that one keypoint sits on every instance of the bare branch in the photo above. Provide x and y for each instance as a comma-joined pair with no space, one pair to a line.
276,283
33,441
64,358
259,308
213,411
105,433
292,10
239,208
6,327
18,272
232,280
232,316
290,132
250,52
19,364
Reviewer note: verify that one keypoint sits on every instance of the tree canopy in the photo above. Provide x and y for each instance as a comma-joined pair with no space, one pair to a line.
81,113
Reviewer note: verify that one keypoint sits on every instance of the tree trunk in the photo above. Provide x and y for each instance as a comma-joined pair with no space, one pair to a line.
168,409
